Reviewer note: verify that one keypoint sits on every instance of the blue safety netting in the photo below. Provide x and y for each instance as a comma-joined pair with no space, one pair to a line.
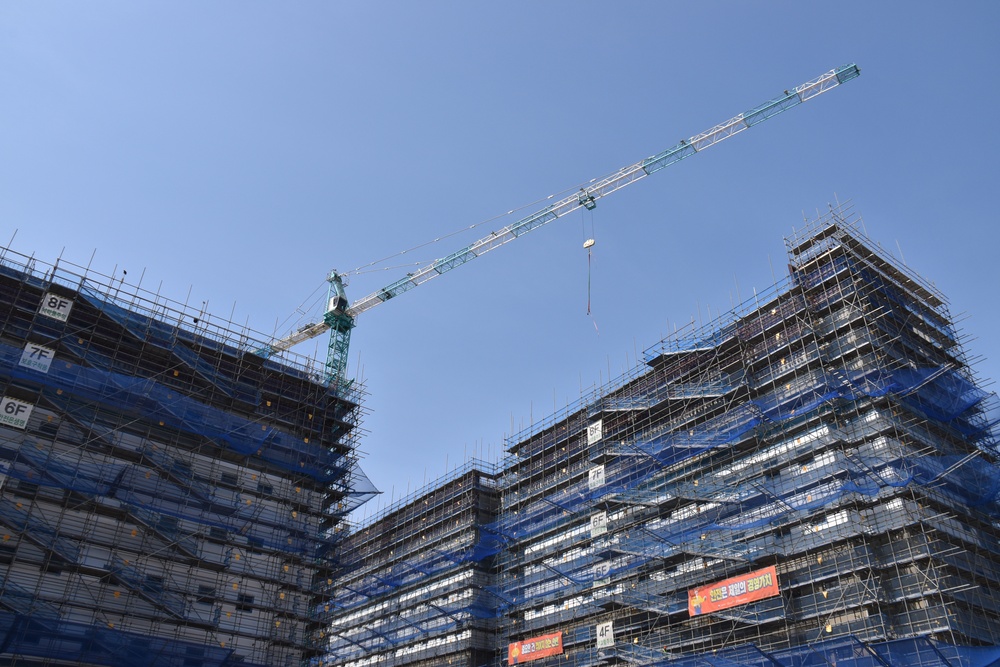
152,499
916,388
389,631
430,563
741,508
845,652
75,387
34,636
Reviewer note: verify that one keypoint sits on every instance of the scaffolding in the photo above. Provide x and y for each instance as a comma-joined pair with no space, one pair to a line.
824,454
418,579
830,428
167,496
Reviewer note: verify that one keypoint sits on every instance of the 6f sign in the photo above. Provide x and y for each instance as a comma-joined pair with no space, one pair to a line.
598,524
55,306
15,413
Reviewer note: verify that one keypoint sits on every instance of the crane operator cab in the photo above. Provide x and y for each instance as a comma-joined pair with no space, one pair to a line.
338,297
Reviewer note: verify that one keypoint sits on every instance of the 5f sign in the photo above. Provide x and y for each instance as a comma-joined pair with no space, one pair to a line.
15,413
602,570
55,306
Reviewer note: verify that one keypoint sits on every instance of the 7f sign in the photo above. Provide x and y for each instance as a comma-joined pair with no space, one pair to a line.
15,413
37,357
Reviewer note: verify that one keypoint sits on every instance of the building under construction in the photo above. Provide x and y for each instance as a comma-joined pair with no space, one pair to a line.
417,580
168,496
810,479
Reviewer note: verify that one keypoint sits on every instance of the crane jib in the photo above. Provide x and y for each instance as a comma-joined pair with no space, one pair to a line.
586,197
668,157
750,118
468,253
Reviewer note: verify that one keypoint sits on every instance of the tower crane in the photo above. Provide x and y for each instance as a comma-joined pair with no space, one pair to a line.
340,314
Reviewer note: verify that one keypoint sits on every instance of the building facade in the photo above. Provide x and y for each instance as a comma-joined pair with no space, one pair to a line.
810,479
168,496
417,580
818,465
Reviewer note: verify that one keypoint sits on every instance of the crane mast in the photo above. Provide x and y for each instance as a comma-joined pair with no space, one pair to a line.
340,314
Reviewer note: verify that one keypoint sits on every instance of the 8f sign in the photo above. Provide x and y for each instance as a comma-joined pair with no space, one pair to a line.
55,306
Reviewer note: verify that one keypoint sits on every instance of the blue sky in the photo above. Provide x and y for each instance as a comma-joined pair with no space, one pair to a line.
246,148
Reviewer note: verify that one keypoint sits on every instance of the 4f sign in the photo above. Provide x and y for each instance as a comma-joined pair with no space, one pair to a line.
37,357
605,634
55,306
15,413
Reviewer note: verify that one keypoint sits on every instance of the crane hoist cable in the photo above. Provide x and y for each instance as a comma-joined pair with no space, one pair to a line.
340,314
588,244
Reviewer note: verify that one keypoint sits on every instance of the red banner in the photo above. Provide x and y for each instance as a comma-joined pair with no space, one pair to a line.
733,592
532,649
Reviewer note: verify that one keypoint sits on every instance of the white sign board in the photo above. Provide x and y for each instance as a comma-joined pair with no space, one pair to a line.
15,413
605,634
595,477
37,357
55,306
598,524
602,570
595,431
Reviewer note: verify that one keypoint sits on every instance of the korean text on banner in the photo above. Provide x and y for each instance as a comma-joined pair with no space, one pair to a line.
534,648
734,591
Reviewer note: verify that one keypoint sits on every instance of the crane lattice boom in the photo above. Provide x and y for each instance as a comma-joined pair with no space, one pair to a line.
340,317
